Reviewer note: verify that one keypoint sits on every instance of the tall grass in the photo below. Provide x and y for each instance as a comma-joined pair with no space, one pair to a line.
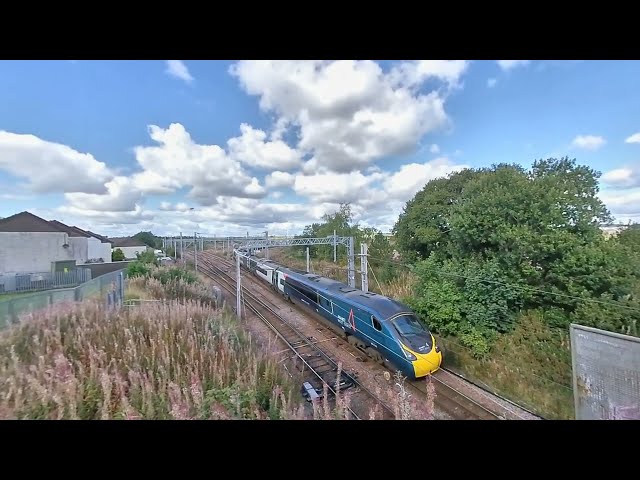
531,365
175,359
178,360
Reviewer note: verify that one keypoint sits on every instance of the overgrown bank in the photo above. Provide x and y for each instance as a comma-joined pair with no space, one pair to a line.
175,356
499,262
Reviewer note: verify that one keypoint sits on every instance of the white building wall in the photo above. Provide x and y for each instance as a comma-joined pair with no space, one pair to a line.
105,249
31,252
79,249
130,252
97,249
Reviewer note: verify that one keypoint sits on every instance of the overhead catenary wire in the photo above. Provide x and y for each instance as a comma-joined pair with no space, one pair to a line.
512,285
512,323
338,307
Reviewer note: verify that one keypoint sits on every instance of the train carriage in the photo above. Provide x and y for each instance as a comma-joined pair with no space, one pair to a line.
385,329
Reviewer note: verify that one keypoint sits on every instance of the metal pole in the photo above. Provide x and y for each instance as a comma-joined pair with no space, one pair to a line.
363,266
238,286
195,250
181,249
335,246
307,259
351,265
266,253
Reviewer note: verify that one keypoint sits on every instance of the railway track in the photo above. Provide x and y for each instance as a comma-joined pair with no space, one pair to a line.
322,369
453,402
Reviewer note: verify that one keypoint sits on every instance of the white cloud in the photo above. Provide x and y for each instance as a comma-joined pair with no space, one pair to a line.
178,69
279,179
416,72
336,187
411,178
180,162
434,149
51,167
622,203
252,149
178,207
507,65
349,113
635,138
121,196
624,177
99,217
588,142
492,82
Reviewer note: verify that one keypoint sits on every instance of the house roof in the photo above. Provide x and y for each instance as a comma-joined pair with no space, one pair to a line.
99,237
126,242
27,222
71,231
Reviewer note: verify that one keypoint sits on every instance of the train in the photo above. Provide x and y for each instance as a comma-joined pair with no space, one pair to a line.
384,329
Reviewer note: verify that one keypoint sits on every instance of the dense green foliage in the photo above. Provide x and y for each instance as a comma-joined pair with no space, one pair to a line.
117,255
145,266
341,221
149,239
492,243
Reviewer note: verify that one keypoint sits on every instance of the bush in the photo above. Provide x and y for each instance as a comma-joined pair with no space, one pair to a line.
160,361
117,255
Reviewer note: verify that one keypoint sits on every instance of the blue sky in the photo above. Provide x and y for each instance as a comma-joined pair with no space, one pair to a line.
227,147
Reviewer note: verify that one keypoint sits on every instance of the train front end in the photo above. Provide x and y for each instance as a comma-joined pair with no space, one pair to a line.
418,345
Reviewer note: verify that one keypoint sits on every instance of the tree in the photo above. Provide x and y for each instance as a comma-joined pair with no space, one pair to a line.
425,222
149,239
515,239
117,255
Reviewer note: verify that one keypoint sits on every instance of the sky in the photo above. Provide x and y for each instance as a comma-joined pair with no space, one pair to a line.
235,147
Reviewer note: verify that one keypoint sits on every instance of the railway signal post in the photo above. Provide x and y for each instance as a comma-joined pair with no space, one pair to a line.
363,265
238,287
195,251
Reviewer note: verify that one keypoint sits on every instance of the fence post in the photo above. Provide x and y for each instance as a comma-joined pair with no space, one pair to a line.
121,289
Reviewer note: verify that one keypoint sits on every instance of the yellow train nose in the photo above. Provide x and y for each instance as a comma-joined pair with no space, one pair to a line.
427,364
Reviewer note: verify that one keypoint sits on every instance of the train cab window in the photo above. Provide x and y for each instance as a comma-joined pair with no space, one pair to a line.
326,304
376,323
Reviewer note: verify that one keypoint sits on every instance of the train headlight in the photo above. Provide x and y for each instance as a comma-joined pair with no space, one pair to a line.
410,356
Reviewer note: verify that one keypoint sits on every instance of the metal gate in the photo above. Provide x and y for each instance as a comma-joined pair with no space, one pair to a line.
606,374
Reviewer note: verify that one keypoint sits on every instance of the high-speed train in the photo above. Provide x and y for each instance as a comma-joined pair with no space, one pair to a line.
385,329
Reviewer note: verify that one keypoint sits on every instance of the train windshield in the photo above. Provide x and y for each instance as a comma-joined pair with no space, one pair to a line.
413,333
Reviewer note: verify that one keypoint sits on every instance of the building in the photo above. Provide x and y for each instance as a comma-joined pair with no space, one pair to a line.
129,246
612,230
30,244
87,247
98,246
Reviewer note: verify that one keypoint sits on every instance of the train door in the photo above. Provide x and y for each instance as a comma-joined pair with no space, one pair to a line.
325,306
280,280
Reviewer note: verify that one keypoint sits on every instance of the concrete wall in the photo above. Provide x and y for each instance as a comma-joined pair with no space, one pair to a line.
27,252
79,249
130,252
96,249
98,269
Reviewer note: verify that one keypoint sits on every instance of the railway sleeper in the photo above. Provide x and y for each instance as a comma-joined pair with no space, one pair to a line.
310,392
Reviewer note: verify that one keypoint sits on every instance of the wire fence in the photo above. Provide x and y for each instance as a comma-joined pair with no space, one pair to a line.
109,286
33,282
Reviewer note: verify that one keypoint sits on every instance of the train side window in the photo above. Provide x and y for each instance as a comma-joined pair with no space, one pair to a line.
376,323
